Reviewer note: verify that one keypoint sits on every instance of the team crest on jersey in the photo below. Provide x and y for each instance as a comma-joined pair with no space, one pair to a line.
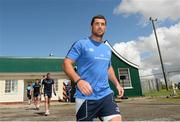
91,50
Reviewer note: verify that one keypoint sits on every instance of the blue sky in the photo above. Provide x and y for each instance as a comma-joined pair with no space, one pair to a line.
35,27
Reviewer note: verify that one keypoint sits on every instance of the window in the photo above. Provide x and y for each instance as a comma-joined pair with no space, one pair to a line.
11,86
124,77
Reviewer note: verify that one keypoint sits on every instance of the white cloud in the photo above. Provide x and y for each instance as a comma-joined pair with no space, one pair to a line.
169,40
163,9
130,47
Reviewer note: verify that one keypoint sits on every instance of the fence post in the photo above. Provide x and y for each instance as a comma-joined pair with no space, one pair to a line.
157,84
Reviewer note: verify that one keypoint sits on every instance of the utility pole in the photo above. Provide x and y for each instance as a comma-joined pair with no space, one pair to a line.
152,20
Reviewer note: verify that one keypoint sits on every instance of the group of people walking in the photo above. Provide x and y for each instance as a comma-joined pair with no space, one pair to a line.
45,87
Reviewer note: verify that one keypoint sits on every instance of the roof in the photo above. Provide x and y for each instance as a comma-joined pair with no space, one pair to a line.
121,57
30,64
42,64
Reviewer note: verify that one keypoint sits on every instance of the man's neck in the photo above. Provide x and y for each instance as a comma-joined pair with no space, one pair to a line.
95,38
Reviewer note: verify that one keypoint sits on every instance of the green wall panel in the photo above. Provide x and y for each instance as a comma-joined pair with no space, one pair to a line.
30,65
134,74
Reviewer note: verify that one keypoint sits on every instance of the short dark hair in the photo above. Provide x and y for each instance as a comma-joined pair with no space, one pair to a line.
98,17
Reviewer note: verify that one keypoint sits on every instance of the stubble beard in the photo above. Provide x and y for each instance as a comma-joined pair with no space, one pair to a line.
98,35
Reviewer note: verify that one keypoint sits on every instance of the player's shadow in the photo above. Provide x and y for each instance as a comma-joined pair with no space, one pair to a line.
30,109
40,113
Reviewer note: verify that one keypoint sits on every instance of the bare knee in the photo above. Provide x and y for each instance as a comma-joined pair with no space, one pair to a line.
116,119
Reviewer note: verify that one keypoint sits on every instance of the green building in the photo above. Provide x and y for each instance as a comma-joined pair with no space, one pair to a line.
127,73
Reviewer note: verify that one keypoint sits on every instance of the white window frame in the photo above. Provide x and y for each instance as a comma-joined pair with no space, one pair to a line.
12,88
130,85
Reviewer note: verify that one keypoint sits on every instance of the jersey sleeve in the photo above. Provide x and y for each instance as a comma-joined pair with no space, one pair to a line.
75,51
52,81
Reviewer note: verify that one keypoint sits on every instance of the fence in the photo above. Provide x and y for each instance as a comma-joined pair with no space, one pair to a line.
155,82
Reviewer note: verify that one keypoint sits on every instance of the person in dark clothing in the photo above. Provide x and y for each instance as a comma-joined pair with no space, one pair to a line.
36,93
29,90
68,90
48,86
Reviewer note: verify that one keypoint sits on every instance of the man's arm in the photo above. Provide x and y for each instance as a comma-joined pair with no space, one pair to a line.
113,78
69,69
82,85
42,87
32,90
54,90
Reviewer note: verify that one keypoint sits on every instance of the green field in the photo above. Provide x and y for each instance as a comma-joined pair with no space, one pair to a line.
162,92
164,95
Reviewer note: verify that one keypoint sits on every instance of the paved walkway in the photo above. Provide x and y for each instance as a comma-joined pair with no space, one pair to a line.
133,109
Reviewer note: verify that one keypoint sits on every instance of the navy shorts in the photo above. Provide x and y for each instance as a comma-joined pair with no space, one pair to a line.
49,94
87,110
28,96
36,94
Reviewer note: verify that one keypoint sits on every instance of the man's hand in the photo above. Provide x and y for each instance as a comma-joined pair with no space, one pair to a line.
120,90
84,87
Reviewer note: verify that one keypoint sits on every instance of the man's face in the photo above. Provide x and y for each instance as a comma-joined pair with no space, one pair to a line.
99,27
37,81
48,76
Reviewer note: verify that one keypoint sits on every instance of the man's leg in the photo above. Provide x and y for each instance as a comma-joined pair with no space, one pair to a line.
49,99
116,118
29,99
46,105
110,110
38,102
35,101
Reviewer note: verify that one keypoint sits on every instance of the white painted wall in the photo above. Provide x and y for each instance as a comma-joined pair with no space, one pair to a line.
18,96
12,97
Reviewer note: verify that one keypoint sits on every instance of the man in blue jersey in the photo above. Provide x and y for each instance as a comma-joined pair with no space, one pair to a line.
94,98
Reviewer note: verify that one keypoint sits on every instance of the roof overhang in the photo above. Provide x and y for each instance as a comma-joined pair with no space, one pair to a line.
121,57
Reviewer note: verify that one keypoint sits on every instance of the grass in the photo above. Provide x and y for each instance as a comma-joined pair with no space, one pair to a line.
164,95
162,92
